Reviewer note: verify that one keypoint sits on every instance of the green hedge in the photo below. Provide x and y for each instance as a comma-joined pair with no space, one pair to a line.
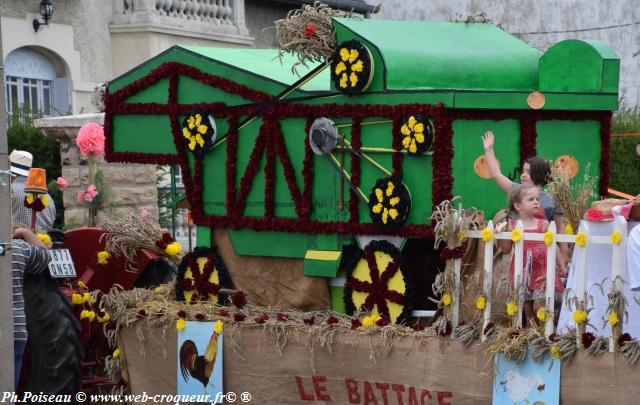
625,162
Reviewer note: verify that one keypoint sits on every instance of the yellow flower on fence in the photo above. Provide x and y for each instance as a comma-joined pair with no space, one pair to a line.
581,239
579,316
516,235
481,302
116,354
218,327
77,299
173,248
555,351
613,318
616,237
447,299
487,235
86,314
542,314
512,307
548,238
180,324
462,236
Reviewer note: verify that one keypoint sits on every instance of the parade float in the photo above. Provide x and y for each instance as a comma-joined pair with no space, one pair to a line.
312,190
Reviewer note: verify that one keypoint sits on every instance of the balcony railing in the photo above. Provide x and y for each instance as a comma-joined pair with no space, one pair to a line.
224,16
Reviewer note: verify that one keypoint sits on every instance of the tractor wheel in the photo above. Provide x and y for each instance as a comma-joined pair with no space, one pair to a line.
55,350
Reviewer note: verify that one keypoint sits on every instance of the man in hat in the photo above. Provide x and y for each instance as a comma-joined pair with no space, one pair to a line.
20,163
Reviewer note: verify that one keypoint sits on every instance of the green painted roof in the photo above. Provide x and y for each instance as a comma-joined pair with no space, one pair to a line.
423,55
265,62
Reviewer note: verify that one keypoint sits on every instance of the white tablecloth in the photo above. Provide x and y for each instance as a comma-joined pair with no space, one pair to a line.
599,268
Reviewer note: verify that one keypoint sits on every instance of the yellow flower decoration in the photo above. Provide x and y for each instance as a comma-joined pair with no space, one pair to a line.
44,238
548,238
417,134
370,320
542,314
86,297
116,354
198,129
389,202
555,351
218,327
180,324
447,299
82,285
613,318
103,257
173,249
352,67
568,229
77,299
86,314
487,235
103,315
579,316
581,239
462,236
512,307
516,235
616,237
481,302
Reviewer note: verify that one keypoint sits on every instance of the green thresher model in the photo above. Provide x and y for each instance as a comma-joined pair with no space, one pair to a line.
365,145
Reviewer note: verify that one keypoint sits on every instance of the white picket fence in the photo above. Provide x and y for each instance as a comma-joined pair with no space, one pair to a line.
618,262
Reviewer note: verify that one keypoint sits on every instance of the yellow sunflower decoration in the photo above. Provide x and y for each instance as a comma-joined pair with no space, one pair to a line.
352,67
199,131
389,203
417,134
379,282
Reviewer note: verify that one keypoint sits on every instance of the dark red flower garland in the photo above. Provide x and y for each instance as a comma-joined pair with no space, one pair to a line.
232,152
269,132
307,175
605,152
528,135
442,179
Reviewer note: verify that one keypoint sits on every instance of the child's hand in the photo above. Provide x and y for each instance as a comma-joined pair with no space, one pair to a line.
488,140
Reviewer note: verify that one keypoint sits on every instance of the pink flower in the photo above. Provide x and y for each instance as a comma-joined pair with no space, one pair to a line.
61,183
90,140
80,197
144,213
91,193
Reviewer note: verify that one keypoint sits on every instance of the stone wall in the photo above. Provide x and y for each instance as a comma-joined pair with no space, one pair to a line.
132,186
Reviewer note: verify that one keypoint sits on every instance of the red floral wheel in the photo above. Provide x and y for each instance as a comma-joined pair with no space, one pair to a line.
201,274
379,281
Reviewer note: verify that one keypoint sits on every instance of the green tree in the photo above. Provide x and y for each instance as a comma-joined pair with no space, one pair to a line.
23,135
625,162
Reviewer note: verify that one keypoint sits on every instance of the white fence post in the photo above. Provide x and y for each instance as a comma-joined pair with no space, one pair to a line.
551,280
487,281
455,305
582,269
618,262
517,273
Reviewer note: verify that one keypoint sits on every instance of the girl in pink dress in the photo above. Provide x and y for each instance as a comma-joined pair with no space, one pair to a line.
524,200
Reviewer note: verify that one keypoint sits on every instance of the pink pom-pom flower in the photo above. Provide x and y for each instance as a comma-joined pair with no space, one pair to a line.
90,140
91,193
80,197
61,183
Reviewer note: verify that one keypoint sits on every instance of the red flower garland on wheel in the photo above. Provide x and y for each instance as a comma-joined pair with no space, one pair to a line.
201,274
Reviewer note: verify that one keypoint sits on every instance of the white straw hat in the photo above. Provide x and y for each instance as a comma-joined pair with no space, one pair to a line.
21,162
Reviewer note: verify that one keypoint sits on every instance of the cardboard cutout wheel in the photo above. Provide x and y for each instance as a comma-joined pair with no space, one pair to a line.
379,281
417,133
389,203
54,330
199,131
200,276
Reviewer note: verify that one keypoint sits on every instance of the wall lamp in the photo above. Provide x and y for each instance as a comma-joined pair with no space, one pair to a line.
46,10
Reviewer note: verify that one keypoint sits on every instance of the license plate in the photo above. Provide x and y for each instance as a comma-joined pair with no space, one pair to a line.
61,264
